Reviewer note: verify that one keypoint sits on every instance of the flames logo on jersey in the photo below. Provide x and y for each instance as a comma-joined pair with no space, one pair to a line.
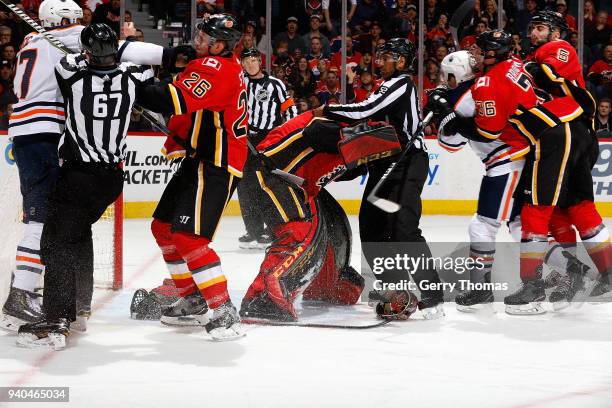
331,175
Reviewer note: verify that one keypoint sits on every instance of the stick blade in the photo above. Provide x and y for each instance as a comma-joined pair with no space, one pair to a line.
384,204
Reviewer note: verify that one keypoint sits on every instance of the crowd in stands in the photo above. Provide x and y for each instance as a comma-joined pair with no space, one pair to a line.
306,39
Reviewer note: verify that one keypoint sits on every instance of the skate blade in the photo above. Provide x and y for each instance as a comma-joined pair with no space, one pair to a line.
53,341
10,323
560,305
533,308
582,295
477,308
184,321
248,245
235,332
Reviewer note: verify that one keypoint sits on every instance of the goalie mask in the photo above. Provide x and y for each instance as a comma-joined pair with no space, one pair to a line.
53,12
460,65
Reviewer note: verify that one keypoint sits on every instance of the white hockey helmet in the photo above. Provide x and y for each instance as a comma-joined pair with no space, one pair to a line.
460,64
52,12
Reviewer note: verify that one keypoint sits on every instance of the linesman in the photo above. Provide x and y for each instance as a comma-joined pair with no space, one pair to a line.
269,106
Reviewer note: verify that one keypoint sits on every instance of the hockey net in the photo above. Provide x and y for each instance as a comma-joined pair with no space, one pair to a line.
107,232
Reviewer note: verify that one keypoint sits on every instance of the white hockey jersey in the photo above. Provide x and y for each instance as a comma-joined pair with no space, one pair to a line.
494,155
41,107
40,110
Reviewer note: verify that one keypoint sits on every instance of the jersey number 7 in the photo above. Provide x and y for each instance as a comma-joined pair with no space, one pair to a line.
29,56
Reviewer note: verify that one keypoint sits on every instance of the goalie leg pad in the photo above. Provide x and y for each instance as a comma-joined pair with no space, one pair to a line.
290,264
204,265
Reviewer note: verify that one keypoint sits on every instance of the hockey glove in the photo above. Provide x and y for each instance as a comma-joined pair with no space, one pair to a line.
437,102
396,305
173,54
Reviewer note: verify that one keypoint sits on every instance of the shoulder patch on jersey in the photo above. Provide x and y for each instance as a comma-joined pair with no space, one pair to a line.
481,82
211,62
563,55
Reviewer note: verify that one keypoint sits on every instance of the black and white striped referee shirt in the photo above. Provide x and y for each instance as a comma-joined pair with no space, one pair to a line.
395,101
268,103
97,106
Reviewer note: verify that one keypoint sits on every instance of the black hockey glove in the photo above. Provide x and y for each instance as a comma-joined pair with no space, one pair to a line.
172,54
437,102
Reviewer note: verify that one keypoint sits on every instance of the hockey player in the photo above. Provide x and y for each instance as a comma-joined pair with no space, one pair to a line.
495,199
35,128
494,107
547,28
211,91
90,177
396,99
311,254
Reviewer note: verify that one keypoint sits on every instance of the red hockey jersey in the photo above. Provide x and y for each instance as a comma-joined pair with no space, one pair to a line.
213,91
497,95
563,58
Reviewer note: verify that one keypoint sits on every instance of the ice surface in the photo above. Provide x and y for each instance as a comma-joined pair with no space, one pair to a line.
464,360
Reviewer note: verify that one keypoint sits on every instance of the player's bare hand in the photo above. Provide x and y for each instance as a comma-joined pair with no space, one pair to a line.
128,30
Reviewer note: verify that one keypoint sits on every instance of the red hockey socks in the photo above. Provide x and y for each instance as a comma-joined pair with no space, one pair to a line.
534,242
174,262
205,267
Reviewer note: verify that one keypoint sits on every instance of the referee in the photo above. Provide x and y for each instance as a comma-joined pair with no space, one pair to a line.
268,106
395,101
98,96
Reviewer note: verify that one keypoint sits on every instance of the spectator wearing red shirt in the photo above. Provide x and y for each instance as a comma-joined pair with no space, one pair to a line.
316,53
368,85
469,40
569,19
351,54
600,74
440,31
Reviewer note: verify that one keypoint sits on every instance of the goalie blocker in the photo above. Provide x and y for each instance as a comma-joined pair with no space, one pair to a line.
311,254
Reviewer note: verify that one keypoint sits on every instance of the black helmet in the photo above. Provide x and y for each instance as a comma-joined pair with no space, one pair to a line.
250,52
498,41
552,19
398,47
100,41
222,27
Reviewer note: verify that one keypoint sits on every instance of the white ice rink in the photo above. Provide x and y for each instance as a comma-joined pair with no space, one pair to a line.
465,360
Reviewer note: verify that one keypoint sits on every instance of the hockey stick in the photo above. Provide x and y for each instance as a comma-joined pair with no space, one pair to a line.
288,177
458,16
317,325
62,47
383,203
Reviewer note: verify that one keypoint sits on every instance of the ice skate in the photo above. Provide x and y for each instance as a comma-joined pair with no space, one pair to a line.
264,241
432,308
80,324
527,299
225,323
471,301
45,334
603,289
187,311
247,241
580,284
21,307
